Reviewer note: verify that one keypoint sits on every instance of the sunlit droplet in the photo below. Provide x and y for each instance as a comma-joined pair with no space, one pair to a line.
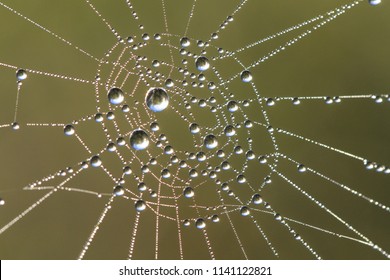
202,63
21,74
139,140
140,205
188,192
69,130
246,76
115,96
157,99
210,141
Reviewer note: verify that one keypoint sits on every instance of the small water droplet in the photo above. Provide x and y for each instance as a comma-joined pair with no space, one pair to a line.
140,205
118,191
215,218
21,74
139,140
244,211
301,168
185,42
69,130
257,199
200,223
115,96
230,130
232,106
374,2
194,128
188,192
96,161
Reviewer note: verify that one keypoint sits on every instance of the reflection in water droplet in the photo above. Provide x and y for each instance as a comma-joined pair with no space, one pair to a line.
115,96
139,140
157,99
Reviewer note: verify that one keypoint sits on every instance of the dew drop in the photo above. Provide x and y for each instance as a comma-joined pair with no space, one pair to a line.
188,192
202,63
230,130
244,211
200,223
194,128
140,205
185,42
257,199
270,102
95,161
157,99
15,126
215,218
139,140
374,2
301,168
69,130
21,74
246,76
210,141
115,96
118,191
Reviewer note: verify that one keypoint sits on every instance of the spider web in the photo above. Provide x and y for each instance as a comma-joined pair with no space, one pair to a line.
287,154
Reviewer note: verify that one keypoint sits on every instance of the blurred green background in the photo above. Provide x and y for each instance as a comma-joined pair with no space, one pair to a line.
348,56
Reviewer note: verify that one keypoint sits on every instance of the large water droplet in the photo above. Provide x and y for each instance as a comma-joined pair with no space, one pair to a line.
210,141
157,99
202,63
232,106
21,74
194,128
140,205
244,211
139,140
115,96
118,191
246,76
200,223
257,199
69,130
230,130
185,42
96,161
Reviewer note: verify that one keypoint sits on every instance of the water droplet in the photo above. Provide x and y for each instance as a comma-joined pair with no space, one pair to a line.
270,102
21,74
202,63
155,63
200,223
69,130
278,217
246,76
165,173
95,161
142,187
154,126
215,218
244,211
241,179
194,128
210,141
118,191
15,126
98,117
2,201
127,170
169,83
157,99
185,42
301,168
374,2
257,199
230,130
140,205
296,101
188,192
232,106
139,140
262,159
115,96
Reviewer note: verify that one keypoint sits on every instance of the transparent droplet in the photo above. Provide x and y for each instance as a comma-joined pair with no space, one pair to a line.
262,159
118,191
155,63
232,106
241,179
2,202
95,161
186,223
194,128
127,170
278,217
157,99
115,96
99,117
69,130
154,126
250,155
201,156
202,63
139,140
165,173
15,126
200,223
215,218
270,102
230,130
142,187
301,168
210,141
296,101
246,76
374,2
21,74
111,147
188,192
257,199
140,205
169,83
185,42
244,211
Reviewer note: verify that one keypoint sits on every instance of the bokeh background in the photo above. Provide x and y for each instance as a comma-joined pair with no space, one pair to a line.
347,56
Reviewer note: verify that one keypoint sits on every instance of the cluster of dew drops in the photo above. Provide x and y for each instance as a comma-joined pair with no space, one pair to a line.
157,100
